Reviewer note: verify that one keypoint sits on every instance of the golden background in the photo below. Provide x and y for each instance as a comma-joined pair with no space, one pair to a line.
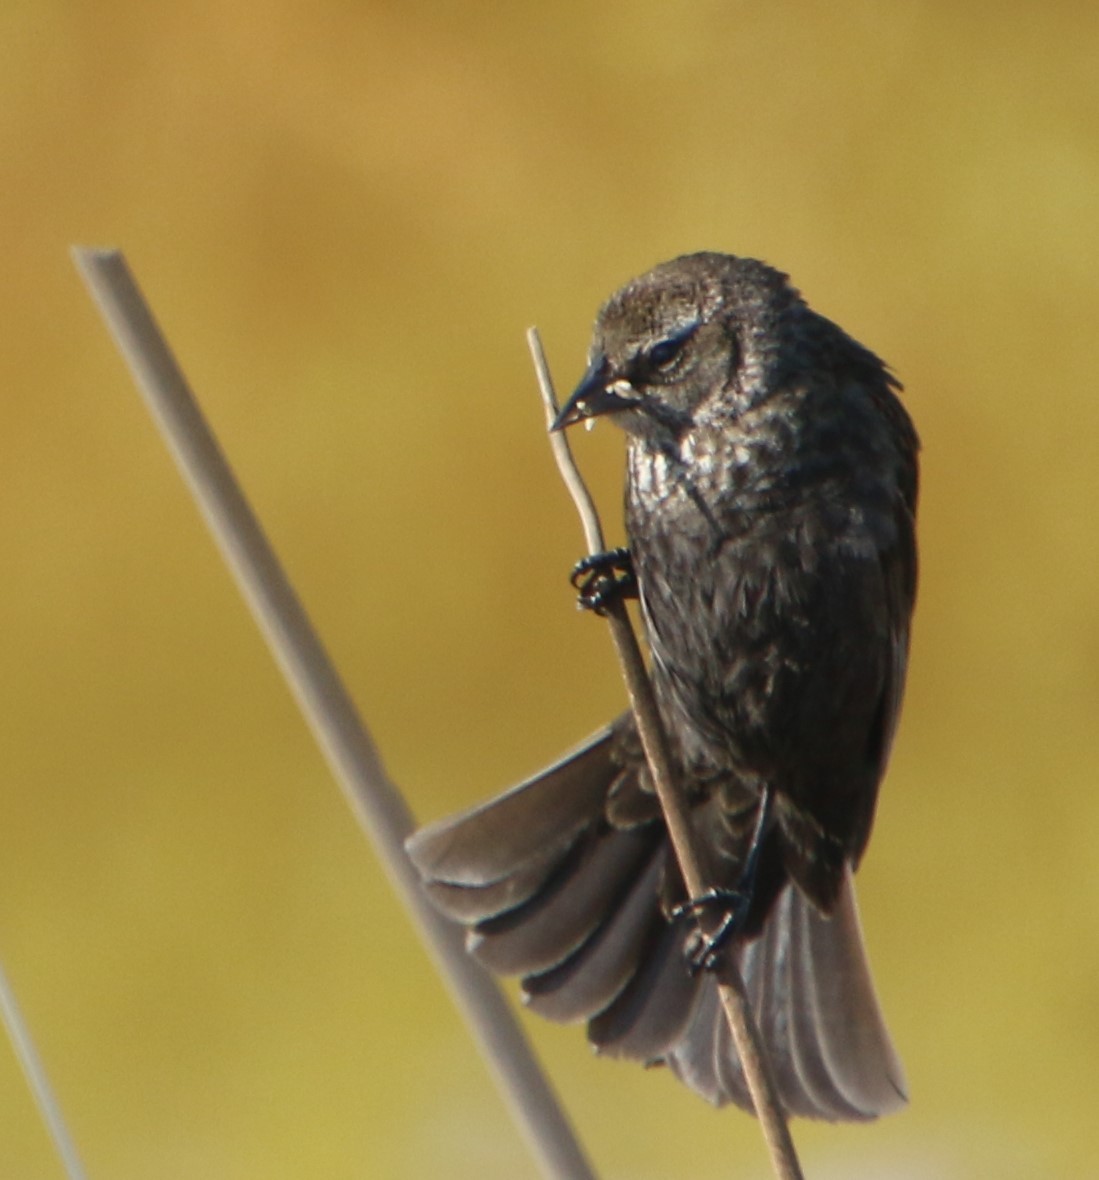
345,215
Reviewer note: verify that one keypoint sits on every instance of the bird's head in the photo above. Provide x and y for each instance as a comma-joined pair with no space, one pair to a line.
699,329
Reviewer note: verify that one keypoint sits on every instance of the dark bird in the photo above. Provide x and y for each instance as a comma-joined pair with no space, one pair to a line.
770,511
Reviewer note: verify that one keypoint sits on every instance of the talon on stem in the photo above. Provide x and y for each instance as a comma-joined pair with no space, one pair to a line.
732,905
602,578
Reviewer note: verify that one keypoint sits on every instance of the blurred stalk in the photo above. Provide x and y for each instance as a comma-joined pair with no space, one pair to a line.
326,705
35,1073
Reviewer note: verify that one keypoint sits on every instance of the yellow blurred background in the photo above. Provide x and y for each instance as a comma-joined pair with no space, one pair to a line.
345,215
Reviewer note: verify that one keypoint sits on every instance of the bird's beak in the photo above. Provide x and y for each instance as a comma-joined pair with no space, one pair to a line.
596,394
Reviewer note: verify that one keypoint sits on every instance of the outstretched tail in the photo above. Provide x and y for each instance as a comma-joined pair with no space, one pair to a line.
556,892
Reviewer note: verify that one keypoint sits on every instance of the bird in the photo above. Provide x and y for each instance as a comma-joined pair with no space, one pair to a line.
770,511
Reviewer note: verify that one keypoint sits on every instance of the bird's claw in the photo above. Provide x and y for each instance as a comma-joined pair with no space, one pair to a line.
704,947
603,578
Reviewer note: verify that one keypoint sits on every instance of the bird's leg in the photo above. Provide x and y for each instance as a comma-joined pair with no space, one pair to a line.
602,578
731,905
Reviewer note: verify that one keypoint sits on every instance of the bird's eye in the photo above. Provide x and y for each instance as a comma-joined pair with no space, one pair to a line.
664,354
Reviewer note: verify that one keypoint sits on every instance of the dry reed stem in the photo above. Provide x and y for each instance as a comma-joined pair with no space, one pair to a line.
685,843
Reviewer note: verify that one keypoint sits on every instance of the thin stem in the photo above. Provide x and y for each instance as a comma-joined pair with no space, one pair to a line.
325,703
35,1073
688,849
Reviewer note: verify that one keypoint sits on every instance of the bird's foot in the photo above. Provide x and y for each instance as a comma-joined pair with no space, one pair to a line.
704,947
603,578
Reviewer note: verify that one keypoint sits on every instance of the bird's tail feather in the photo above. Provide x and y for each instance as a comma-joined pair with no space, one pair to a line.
554,892
809,984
